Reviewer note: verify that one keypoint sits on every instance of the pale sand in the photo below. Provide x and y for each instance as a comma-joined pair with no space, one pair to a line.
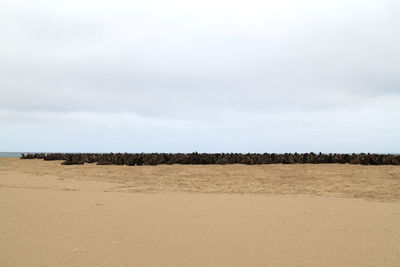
269,215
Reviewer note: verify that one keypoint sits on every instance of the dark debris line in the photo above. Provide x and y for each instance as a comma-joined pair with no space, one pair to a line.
133,159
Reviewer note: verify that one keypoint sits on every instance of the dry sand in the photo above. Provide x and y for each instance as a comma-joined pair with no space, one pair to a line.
233,215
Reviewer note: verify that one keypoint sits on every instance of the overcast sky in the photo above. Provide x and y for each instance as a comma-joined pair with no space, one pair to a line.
206,76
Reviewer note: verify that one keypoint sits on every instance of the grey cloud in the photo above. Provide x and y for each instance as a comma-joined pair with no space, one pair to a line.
210,66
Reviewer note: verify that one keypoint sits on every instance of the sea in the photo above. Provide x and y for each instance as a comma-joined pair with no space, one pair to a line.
11,154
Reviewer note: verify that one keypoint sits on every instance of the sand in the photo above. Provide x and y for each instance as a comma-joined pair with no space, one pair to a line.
234,215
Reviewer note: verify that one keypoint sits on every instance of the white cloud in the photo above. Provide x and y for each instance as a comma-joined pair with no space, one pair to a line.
207,76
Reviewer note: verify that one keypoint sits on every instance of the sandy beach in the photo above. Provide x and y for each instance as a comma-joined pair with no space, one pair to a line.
230,215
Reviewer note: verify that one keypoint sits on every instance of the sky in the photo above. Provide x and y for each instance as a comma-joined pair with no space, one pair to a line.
207,76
